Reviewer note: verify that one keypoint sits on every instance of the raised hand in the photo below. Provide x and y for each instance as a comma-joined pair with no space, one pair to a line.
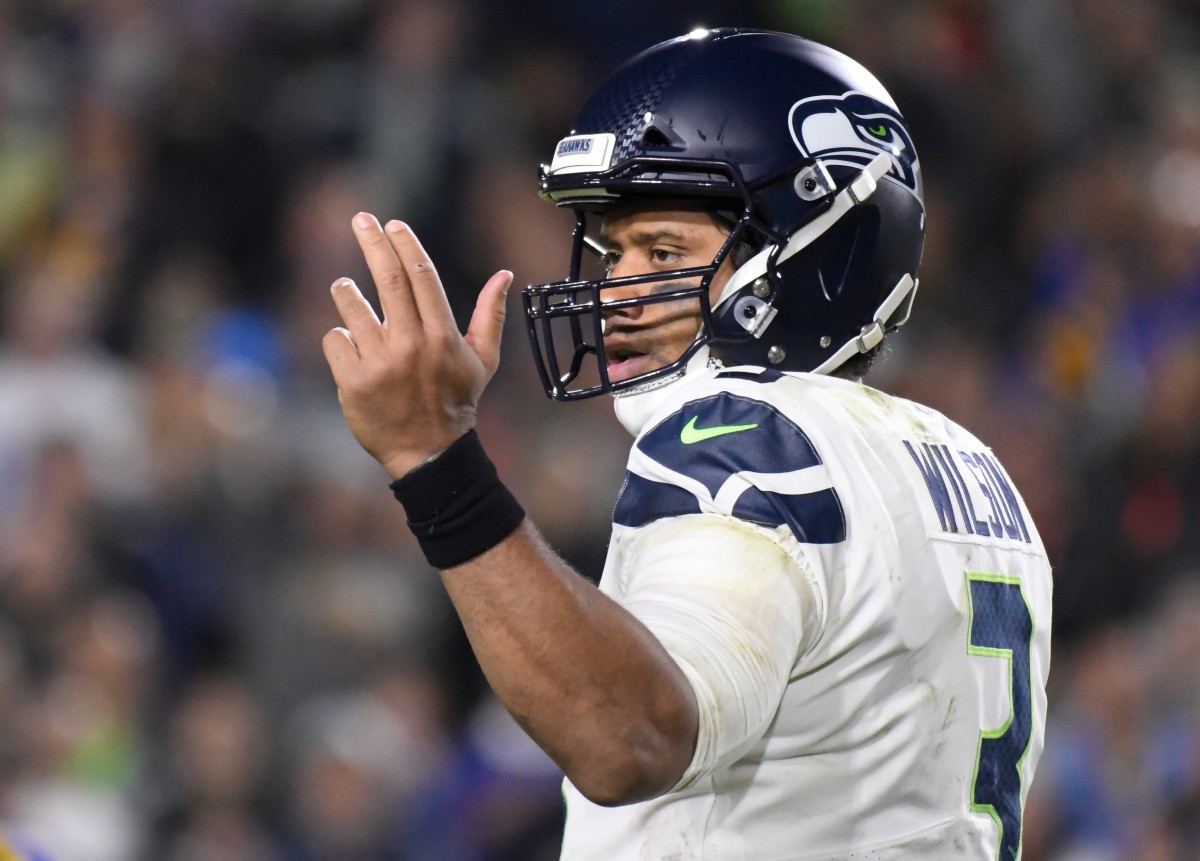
409,383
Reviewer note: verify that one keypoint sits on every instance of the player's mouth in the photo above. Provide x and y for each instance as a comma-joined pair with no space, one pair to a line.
624,363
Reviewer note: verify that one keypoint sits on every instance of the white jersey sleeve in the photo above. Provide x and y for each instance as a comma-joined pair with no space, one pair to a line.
887,699
731,607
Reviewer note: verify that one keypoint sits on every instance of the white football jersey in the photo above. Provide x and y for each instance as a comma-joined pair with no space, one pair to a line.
885,699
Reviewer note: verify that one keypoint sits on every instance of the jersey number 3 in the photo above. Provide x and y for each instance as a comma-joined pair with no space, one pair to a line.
1001,627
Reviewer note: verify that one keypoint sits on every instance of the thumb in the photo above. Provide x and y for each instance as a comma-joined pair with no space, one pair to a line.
487,322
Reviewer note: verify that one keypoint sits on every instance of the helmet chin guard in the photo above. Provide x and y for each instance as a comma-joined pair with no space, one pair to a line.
798,149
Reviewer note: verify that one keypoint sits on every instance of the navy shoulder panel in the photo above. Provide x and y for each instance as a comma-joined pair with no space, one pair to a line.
712,438
642,501
814,518
715,438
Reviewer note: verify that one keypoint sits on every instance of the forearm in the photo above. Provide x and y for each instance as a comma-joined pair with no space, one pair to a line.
585,678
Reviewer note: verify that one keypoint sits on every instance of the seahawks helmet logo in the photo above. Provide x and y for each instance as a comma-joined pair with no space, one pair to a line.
852,129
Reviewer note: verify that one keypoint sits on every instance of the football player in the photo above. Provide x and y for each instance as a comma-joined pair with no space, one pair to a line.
823,628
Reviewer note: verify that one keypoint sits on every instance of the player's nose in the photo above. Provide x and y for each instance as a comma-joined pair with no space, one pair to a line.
618,295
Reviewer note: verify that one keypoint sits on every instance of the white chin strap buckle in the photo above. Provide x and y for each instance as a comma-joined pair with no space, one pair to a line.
870,337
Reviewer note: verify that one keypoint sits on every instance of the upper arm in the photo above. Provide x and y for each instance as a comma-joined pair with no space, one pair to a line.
712,492
731,608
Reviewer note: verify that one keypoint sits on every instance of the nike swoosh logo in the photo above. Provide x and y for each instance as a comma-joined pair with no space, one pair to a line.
692,434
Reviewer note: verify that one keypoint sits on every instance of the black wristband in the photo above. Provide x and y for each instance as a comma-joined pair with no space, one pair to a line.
457,507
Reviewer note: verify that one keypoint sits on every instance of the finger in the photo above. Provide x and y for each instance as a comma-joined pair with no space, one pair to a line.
487,322
427,290
340,352
395,292
356,312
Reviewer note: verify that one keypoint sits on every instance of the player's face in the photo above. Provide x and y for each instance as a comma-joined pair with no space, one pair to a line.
644,239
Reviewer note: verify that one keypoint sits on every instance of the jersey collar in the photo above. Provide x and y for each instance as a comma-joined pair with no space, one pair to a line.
635,407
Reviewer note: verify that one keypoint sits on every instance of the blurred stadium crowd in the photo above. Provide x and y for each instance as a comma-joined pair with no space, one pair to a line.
217,640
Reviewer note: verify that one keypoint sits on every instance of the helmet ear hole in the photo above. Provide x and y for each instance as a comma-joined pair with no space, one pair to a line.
837,251
842,253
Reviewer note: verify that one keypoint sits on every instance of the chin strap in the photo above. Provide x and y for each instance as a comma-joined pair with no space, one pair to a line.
859,190
872,333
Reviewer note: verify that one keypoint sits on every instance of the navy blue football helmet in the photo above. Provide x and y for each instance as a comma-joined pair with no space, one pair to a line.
798,149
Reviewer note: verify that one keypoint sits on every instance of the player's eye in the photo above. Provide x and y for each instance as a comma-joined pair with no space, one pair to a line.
663,256
610,259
